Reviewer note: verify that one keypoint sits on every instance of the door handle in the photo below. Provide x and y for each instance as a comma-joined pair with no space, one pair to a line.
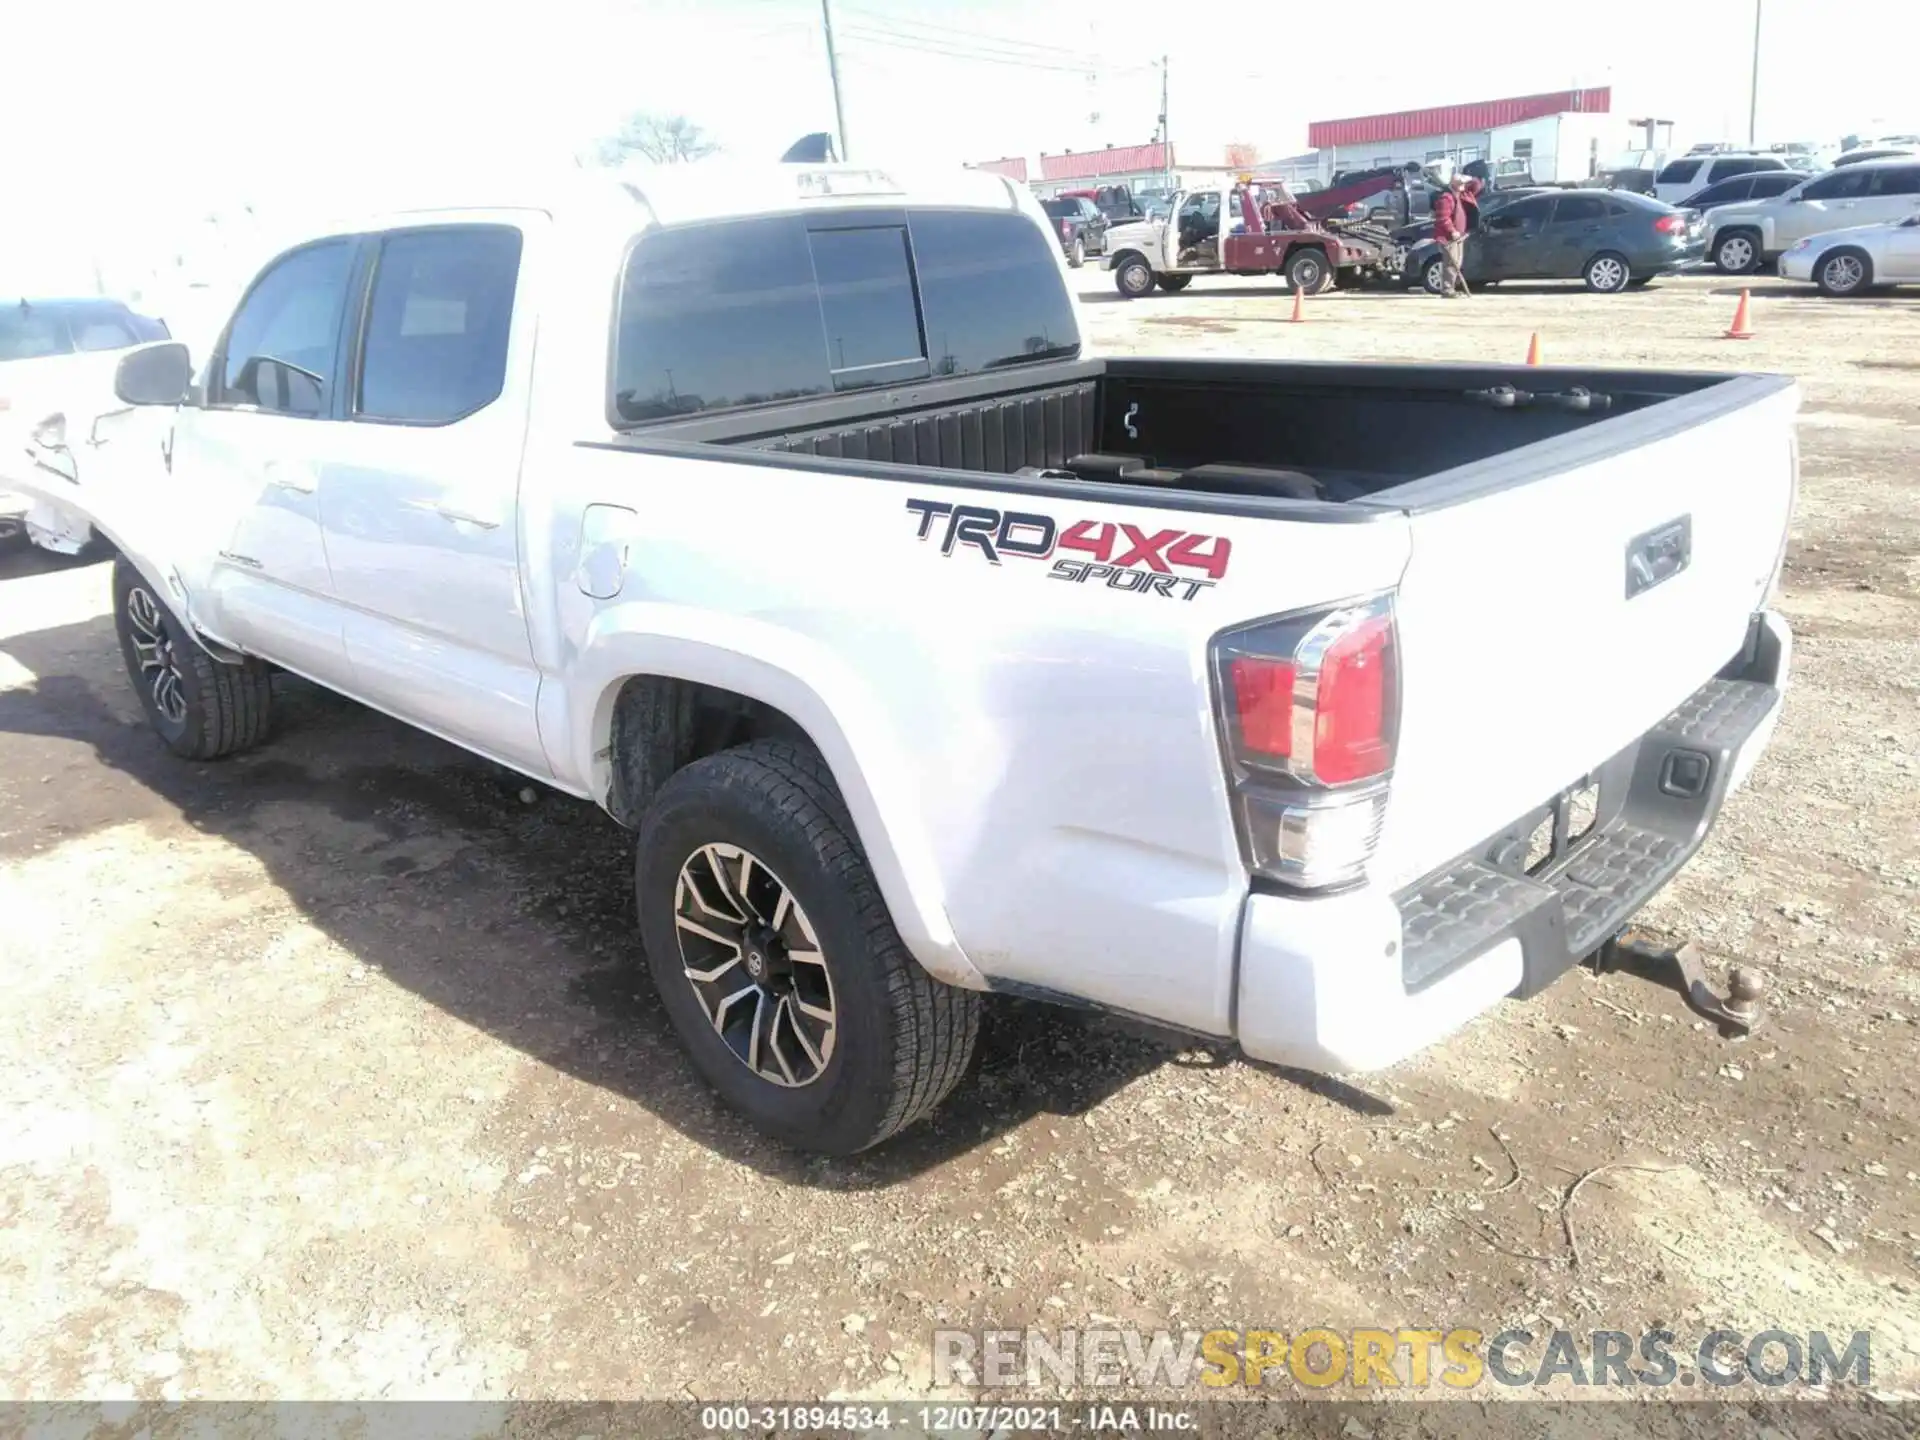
296,478
456,512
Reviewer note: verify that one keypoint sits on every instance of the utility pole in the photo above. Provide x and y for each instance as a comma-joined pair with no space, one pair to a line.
1753,90
833,69
1166,139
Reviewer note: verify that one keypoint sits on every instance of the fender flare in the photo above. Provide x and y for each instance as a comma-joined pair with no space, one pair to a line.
821,694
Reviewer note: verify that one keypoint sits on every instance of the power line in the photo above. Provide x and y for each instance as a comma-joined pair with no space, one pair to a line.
905,27
984,56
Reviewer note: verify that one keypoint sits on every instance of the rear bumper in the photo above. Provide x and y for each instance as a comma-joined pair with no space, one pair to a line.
1358,981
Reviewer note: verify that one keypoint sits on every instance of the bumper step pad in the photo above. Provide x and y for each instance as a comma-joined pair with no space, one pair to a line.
1658,798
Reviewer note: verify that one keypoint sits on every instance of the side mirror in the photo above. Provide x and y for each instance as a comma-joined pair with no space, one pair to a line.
160,373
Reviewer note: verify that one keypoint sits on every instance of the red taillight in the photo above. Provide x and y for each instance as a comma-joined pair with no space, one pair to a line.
1353,708
1066,230
1667,224
1263,702
1341,667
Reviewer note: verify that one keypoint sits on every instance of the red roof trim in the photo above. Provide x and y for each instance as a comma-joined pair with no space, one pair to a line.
1092,164
1457,119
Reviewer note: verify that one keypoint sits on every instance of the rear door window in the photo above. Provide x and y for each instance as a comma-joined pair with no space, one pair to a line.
1579,209
1897,180
1680,172
1838,185
436,331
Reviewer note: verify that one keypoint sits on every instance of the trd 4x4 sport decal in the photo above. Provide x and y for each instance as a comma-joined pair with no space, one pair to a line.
1119,556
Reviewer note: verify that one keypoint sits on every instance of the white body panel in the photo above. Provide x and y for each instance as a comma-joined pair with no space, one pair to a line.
1894,251
1805,211
1034,768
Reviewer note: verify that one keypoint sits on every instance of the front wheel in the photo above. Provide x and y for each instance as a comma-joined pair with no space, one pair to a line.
1607,274
1133,277
1844,273
777,961
201,707
1434,277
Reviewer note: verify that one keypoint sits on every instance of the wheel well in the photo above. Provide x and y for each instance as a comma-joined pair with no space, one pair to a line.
1304,245
1122,257
662,724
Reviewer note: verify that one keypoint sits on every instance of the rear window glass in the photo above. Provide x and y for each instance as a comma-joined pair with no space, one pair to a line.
1679,172
866,297
30,333
756,311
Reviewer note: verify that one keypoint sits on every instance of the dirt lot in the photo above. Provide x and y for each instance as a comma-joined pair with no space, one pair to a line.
320,1075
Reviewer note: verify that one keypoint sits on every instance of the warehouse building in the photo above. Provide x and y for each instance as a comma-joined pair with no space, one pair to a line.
1145,170
1565,135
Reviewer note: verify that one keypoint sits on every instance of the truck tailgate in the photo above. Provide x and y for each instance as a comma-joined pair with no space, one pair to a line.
1575,594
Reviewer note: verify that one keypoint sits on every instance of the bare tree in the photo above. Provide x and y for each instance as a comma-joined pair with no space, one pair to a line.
664,139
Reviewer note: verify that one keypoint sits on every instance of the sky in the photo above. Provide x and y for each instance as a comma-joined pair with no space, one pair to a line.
124,124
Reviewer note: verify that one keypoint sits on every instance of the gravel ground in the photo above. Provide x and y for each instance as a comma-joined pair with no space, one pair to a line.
322,1075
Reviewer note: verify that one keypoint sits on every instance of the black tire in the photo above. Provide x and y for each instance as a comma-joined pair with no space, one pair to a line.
203,708
1433,279
1844,272
1133,277
1308,271
902,1039
1640,282
1736,252
1173,284
1076,253
1608,273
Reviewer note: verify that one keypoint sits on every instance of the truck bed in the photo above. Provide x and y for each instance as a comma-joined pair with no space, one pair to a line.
1210,433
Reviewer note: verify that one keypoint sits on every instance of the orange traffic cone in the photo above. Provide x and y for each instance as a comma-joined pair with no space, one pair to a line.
1533,349
1299,315
1742,321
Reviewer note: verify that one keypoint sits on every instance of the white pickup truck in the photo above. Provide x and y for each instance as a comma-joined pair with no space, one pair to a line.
1310,707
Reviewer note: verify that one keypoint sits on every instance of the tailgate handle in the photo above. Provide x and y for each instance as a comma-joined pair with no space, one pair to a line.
1658,555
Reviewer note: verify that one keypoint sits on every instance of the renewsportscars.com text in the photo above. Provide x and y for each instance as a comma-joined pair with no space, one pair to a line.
1414,1359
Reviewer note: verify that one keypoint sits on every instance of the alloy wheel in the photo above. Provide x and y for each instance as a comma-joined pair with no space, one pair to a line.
1844,272
159,666
755,964
1608,273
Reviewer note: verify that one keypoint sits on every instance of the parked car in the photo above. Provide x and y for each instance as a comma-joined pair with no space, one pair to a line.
1852,262
1741,237
1755,185
57,357
1081,226
929,654
1680,178
1611,239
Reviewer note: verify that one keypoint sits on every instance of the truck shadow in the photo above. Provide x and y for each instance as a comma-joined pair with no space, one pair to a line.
427,864
19,559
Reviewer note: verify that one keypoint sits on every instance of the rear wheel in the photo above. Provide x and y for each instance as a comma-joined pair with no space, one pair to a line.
1173,284
777,961
201,707
1844,273
1737,252
1133,277
1608,273
1308,271
1077,253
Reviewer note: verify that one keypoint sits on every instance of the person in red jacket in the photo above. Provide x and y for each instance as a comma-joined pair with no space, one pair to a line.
1452,219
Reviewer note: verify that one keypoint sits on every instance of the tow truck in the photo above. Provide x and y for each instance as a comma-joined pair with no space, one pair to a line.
1252,227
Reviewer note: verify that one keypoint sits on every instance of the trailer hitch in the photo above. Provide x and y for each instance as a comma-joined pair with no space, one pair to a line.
1739,1013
